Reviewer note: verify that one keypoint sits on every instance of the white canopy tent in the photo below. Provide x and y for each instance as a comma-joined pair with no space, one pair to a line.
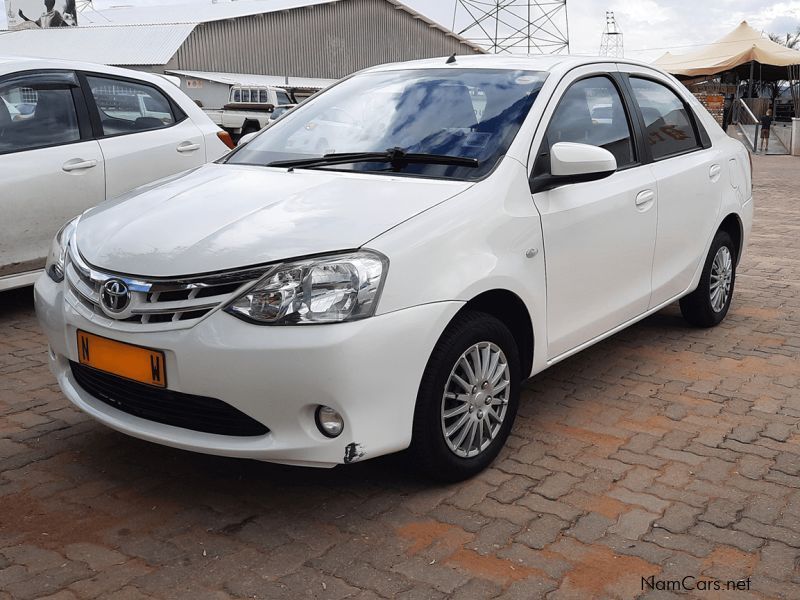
737,51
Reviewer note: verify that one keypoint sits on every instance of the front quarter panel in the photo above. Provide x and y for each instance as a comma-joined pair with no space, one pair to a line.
475,242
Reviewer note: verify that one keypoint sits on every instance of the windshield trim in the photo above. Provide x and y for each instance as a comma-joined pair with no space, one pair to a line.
328,169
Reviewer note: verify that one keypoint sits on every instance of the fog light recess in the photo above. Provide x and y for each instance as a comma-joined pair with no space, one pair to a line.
329,422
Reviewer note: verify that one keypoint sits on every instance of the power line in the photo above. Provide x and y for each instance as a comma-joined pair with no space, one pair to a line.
514,26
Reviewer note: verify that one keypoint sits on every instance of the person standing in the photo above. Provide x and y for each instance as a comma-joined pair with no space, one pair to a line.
50,18
766,123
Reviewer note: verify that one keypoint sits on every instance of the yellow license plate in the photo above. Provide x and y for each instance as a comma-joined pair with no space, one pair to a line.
125,360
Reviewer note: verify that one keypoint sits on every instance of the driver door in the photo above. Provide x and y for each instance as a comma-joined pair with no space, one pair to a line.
599,236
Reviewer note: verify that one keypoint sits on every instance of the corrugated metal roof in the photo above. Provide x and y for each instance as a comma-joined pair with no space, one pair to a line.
112,45
257,80
198,12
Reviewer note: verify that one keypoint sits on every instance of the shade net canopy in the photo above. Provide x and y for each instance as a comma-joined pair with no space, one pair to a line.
734,52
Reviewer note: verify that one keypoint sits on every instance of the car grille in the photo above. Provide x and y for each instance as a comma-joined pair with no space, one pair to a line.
198,413
155,304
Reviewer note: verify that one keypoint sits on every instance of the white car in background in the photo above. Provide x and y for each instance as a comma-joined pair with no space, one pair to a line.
473,229
75,134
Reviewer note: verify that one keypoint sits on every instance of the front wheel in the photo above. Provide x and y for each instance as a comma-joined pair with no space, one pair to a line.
709,303
468,398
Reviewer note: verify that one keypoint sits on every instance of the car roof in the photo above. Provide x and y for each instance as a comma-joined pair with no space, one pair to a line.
14,64
551,62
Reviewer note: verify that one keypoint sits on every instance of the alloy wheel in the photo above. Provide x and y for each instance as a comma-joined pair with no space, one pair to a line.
721,279
475,399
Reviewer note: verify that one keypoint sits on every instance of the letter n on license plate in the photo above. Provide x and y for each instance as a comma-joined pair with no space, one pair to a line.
124,360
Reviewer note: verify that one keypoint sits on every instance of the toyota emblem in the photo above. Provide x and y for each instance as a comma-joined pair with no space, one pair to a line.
116,296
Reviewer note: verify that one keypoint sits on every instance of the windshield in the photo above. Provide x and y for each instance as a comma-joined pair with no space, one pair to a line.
470,113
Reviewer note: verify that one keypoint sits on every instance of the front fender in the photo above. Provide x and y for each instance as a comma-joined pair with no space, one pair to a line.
486,238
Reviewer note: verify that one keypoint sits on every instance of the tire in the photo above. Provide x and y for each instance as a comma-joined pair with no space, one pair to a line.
701,308
430,449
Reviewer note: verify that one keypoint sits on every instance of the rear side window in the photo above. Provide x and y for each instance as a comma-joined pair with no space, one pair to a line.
129,107
36,114
669,129
592,112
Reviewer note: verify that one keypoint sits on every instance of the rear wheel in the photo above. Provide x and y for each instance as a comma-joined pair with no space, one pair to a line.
708,305
468,398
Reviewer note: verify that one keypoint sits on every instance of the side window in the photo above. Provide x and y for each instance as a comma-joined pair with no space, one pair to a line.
129,107
283,97
36,114
237,95
263,96
592,112
668,126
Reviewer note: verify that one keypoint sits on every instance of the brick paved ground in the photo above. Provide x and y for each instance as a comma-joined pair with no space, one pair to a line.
664,451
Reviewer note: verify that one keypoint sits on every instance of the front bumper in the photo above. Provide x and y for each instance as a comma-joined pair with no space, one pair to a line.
367,370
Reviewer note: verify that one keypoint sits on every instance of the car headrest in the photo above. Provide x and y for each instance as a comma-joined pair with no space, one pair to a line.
50,106
148,123
5,115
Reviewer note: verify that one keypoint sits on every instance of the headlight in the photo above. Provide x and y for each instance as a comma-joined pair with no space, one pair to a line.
329,289
58,251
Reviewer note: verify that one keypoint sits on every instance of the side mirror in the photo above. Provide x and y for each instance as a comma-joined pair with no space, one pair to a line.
247,137
575,163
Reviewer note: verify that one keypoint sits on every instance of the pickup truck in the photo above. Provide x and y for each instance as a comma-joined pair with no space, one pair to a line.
249,108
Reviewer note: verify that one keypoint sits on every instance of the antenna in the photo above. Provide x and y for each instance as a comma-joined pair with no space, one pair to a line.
611,42
514,26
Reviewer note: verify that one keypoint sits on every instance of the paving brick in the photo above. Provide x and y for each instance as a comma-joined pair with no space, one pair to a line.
678,518
556,485
541,504
648,501
753,467
493,536
665,449
721,512
632,458
477,589
541,531
772,532
633,524
715,535
442,578
590,527
691,544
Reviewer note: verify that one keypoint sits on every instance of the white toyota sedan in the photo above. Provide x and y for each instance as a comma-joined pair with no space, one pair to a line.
473,225
72,135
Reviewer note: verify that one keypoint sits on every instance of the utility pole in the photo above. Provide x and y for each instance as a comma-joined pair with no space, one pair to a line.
514,26
611,42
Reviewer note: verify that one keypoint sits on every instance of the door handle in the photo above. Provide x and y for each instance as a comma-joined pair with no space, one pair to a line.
714,173
188,147
645,198
78,164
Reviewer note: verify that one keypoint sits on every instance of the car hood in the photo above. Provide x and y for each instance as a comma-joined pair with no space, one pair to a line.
221,217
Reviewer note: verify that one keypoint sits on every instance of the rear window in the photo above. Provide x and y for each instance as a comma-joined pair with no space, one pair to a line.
35,115
669,128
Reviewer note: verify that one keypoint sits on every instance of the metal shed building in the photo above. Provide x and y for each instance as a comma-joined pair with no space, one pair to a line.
325,39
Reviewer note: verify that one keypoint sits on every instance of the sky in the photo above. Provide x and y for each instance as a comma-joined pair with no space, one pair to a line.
649,27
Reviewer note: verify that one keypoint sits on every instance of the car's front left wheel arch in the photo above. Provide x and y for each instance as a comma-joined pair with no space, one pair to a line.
467,399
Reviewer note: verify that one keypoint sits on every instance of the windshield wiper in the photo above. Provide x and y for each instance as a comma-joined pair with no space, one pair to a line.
396,157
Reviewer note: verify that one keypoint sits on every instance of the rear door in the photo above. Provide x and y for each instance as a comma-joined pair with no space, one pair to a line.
599,236
144,135
688,171
50,167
